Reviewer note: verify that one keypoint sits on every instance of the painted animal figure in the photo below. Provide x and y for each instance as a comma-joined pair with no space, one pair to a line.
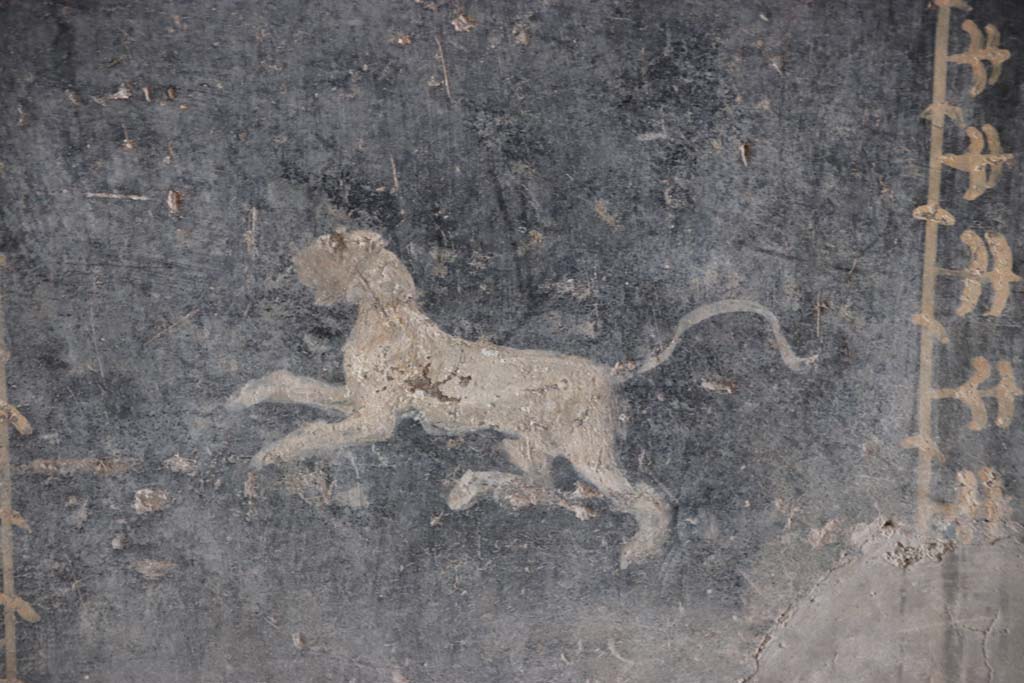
399,363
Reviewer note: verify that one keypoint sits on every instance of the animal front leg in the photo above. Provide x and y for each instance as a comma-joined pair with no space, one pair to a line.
284,387
357,430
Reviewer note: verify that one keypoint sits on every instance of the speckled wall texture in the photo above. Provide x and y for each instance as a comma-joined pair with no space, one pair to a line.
530,341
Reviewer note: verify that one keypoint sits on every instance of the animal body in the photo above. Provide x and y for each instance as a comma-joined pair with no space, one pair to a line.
399,363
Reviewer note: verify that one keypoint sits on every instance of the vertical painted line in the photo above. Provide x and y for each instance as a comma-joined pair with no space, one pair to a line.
926,453
6,509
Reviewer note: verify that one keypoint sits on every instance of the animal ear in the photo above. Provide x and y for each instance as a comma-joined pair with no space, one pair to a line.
336,242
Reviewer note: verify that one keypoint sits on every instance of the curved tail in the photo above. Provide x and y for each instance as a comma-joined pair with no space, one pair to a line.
700,314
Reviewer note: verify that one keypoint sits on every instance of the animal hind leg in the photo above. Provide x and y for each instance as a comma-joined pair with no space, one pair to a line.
651,511
532,487
512,491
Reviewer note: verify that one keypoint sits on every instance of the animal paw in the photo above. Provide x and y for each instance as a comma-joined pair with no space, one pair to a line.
257,390
808,362
465,492
246,397
653,519
582,512
267,456
635,552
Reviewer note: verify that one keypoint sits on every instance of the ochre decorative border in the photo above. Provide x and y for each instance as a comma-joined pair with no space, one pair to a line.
14,606
984,170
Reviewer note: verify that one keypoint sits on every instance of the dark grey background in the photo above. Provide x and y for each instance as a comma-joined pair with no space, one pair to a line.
130,326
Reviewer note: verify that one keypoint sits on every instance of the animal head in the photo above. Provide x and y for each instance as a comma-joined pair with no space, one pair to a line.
354,267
